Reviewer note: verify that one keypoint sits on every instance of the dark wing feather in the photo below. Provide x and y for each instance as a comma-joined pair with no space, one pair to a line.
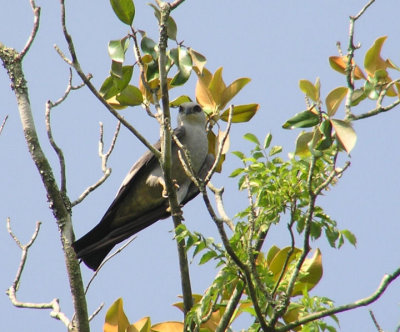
97,243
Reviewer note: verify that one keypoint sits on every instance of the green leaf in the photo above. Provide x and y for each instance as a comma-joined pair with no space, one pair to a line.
370,90
117,49
267,141
303,119
124,9
130,96
236,172
275,150
252,138
184,67
349,236
358,96
241,113
108,89
207,256
113,85
309,89
345,134
239,154
116,69
179,100
149,46
334,99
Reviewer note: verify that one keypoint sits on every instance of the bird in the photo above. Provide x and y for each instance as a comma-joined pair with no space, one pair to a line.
141,199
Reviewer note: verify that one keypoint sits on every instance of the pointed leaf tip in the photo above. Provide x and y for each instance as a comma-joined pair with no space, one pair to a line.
124,9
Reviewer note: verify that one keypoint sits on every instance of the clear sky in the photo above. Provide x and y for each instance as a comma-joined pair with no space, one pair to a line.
275,43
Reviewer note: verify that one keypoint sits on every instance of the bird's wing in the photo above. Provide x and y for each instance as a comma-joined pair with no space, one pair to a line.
148,160
127,229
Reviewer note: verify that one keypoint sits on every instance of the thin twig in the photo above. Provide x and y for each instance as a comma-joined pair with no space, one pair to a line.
3,124
104,158
116,252
12,290
59,152
375,321
175,4
94,314
36,21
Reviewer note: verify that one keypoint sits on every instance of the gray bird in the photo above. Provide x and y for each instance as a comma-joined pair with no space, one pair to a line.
141,199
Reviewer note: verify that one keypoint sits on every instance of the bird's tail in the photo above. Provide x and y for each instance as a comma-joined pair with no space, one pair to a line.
89,248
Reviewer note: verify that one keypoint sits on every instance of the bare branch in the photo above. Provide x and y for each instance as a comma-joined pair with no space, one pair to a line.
104,158
375,321
116,252
362,11
59,152
93,315
220,205
12,290
3,124
35,28
176,3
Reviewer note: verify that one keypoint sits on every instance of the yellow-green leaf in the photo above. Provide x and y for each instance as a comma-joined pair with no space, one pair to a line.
345,134
241,113
116,320
334,98
179,100
217,86
271,253
203,93
310,274
168,327
142,325
278,262
232,90
309,89
302,149
199,60
373,60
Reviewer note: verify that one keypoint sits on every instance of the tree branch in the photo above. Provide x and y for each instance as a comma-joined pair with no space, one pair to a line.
75,64
12,290
165,161
385,282
3,124
12,61
104,158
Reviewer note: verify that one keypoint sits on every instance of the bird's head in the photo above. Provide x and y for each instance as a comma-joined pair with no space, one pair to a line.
191,113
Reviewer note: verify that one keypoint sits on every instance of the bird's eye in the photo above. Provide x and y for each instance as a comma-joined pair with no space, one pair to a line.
180,109
197,108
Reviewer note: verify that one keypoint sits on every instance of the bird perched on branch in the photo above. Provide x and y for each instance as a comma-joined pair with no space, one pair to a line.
141,199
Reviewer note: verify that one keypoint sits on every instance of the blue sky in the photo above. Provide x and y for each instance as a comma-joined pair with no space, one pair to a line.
275,44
